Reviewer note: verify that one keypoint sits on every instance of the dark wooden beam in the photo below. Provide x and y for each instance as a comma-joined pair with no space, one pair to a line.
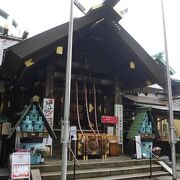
58,75
49,86
117,93
93,68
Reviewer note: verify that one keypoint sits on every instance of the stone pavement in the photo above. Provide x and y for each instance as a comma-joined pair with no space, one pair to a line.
5,172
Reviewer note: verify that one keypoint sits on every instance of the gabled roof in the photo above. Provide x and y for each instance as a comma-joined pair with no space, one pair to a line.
154,102
175,87
142,114
162,64
50,131
36,46
118,48
111,3
135,127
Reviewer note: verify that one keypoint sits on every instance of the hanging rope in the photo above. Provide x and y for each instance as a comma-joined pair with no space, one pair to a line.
86,103
77,110
95,109
94,144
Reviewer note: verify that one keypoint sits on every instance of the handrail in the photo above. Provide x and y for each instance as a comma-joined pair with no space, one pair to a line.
145,148
75,159
150,152
74,156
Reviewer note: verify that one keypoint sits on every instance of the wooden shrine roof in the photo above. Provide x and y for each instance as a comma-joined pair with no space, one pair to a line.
111,46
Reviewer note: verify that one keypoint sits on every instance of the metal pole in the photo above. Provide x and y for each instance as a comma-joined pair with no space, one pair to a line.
169,89
150,163
65,126
150,160
74,172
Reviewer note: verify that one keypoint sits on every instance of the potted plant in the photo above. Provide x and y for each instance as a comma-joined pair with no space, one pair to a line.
38,154
42,152
156,151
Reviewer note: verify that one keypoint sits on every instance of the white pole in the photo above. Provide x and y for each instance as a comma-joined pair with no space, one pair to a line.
169,91
65,125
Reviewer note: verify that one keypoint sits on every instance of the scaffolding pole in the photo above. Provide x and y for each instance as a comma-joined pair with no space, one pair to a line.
65,123
169,91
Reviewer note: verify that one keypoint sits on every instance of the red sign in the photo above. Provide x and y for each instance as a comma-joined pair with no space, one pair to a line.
20,171
109,119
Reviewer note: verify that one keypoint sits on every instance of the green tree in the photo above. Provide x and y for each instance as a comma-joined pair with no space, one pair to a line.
159,55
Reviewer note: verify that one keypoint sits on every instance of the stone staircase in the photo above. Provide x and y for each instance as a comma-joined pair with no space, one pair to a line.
103,170
4,174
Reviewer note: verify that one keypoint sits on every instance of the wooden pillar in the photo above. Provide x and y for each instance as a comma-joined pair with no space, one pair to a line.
22,89
118,97
49,93
118,111
5,100
49,83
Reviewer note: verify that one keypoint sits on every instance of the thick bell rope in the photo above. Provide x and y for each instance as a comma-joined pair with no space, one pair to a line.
77,110
95,108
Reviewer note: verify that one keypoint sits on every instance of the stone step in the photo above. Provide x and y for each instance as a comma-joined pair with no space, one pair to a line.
96,164
103,172
4,174
131,176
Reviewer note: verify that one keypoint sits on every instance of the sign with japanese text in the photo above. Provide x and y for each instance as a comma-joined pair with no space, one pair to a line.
48,110
110,130
118,111
20,165
6,128
73,133
138,147
109,119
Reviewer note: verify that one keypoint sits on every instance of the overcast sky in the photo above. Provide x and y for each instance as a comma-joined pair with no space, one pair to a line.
143,21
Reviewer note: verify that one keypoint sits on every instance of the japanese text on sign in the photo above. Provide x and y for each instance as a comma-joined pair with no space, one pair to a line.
48,110
118,111
20,166
109,119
